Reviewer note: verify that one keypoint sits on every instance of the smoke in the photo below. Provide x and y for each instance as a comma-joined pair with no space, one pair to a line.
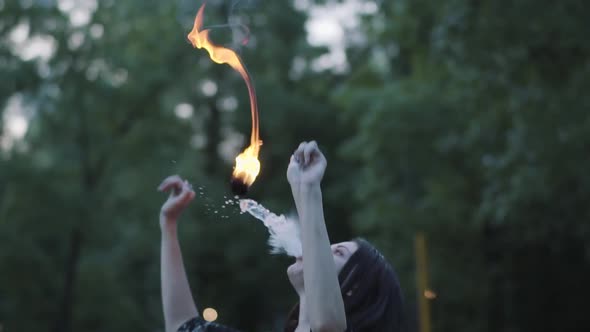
285,237
236,13
285,233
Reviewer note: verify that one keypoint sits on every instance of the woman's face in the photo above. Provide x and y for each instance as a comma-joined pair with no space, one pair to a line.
341,253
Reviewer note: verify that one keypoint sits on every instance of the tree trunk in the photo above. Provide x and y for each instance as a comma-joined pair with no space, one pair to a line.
496,294
64,317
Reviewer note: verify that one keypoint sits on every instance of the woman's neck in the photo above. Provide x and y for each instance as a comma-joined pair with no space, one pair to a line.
303,324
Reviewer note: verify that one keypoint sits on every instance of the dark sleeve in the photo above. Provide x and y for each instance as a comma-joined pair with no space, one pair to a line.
198,324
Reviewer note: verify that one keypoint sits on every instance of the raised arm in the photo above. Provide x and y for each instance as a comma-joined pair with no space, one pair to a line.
177,301
323,297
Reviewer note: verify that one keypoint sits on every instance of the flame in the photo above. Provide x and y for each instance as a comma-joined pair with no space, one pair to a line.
247,163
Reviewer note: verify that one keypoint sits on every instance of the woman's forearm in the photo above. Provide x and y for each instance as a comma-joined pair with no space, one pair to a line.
295,190
324,303
177,300
303,322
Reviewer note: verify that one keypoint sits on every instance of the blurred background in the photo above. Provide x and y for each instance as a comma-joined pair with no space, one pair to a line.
465,123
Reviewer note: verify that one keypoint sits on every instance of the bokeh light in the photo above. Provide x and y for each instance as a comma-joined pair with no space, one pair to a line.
210,314
429,294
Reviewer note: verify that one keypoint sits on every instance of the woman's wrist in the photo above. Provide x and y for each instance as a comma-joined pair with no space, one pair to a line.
303,317
309,188
167,224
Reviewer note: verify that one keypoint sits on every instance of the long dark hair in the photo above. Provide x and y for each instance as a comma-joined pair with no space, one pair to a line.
370,290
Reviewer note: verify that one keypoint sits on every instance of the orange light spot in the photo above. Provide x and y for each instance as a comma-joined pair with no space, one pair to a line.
210,314
429,294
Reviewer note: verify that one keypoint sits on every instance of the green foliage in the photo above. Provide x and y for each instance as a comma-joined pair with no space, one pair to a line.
475,131
79,206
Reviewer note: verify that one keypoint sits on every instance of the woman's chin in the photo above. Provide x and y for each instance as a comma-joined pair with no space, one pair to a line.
295,268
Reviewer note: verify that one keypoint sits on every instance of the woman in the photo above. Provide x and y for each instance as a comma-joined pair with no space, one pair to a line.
347,286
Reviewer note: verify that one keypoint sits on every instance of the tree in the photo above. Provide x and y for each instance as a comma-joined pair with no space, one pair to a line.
479,151
79,205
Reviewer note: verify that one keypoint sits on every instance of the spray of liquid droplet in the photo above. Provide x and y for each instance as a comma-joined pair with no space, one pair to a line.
285,234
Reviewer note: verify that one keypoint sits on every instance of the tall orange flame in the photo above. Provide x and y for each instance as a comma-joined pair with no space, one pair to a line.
247,164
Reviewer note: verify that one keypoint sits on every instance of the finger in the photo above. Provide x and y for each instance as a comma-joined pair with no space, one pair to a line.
299,152
319,154
174,187
187,195
182,195
186,186
170,182
311,149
